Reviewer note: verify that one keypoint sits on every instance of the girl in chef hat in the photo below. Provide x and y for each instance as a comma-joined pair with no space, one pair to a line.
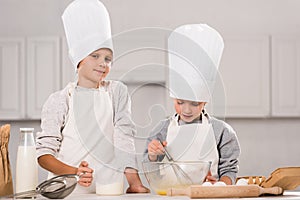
87,126
191,134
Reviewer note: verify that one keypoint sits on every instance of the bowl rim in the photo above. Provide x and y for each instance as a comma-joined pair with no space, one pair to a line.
178,162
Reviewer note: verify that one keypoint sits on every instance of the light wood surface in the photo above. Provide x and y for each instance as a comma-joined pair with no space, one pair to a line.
198,191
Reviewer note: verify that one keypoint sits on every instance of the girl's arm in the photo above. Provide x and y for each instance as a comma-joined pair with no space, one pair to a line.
213,180
229,152
156,148
158,133
226,180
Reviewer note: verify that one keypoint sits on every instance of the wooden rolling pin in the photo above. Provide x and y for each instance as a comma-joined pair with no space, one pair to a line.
199,191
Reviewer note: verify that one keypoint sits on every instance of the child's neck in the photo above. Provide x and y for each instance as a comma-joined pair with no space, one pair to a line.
90,84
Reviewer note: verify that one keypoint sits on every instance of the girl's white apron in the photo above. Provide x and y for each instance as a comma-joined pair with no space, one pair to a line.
192,142
88,132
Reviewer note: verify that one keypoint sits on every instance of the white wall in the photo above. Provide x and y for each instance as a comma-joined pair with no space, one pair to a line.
266,143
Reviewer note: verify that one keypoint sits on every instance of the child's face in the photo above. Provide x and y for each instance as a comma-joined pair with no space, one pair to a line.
188,110
95,67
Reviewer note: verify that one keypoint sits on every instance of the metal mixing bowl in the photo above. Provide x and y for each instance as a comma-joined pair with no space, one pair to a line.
164,175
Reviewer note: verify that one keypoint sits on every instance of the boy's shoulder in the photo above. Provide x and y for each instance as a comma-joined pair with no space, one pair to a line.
65,91
116,85
61,95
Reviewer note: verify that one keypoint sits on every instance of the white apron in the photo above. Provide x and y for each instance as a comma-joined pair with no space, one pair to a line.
88,132
192,142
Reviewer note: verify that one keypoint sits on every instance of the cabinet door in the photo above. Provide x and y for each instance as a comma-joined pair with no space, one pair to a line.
68,70
286,76
12,78
43,74
245,70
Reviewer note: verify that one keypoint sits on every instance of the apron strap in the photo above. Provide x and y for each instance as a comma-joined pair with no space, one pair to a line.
204,118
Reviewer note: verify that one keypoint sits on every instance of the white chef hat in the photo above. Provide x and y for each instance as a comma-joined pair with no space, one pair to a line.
195,52
87,28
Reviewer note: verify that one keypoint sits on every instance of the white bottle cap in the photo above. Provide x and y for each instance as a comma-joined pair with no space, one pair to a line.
26,129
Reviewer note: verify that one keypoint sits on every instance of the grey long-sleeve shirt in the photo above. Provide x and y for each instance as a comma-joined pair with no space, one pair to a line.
55,111
226,141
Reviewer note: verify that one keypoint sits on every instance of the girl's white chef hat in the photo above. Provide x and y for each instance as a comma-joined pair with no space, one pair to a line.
195,52
87,28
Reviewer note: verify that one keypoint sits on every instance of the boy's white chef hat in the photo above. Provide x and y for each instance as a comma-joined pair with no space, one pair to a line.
195,52
87,28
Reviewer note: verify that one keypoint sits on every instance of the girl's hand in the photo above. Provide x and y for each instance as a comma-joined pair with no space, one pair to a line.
85,173
210,178
155,148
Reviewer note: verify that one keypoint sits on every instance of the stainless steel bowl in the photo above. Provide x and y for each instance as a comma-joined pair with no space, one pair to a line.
164,175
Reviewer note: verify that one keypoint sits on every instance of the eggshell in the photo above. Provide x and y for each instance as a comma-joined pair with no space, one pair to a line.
242,181
206,184
220,183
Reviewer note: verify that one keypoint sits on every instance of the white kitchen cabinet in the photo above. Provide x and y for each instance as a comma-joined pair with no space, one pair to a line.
43,75
12,74
68,70
245,71
286,76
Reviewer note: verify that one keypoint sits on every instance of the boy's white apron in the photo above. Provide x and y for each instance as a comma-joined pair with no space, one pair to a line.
192,142
88,132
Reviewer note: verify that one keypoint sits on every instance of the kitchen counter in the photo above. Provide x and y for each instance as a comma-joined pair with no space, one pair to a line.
287,195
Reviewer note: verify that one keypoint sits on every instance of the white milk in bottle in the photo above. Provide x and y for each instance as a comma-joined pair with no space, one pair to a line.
27,167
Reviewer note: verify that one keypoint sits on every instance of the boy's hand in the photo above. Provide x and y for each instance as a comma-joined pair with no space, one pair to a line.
134,182
155,148
85,173
137,189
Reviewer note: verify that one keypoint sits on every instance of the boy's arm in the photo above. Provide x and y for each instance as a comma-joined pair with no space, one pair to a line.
134,182
57,167
124,132
53,114
50,163
49,139
124,128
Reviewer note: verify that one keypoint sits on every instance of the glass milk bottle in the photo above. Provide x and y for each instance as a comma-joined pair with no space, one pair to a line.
27,167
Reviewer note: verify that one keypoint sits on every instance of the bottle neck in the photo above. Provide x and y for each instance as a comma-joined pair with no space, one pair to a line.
26,139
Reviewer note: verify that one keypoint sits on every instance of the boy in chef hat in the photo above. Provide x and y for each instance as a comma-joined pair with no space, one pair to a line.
191,134
87,126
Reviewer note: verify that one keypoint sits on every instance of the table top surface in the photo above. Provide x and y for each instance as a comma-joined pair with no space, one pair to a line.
286,195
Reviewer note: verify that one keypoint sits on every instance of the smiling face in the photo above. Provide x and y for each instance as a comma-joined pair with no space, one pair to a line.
188,110
94,68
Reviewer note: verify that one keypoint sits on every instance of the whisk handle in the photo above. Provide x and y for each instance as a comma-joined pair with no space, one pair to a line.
169,157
